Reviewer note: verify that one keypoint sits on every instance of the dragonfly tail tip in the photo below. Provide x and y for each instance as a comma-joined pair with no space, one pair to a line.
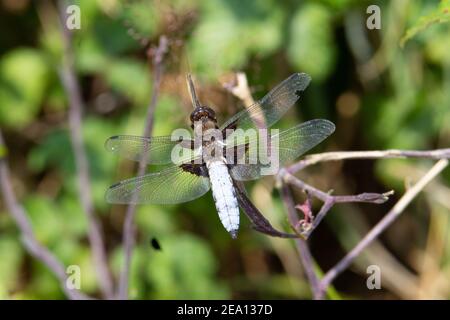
233,234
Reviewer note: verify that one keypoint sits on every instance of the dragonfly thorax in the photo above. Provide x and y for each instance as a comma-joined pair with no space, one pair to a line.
210,141
207,134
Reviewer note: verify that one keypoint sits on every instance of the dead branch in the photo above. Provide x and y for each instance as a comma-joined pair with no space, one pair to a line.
285,176
129,227
28,238
73,91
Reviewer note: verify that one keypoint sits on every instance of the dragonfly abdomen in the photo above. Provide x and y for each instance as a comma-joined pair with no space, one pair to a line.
224,196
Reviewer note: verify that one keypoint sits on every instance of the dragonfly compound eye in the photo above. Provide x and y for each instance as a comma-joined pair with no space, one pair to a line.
203,112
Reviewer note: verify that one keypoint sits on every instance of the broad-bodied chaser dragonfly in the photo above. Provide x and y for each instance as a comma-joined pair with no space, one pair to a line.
219,158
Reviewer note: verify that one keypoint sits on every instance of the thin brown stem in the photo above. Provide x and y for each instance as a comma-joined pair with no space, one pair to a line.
286,176
73,91
375,154
129,226
302,247
328,199
28,238
384,223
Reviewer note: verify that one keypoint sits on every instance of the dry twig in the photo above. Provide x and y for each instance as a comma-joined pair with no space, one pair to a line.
129,227
29,240
73,91
384,223
285,175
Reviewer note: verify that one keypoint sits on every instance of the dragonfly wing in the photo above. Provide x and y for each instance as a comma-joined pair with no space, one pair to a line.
271,108
298,140
156,150
286,145
175,184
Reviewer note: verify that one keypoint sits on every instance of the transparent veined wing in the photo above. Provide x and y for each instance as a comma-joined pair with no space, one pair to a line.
157,150
169,186
271,107
286,145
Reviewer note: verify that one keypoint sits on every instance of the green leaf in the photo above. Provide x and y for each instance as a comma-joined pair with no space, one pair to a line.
155,219
3,151
216,38
112,36
73,219
45,219
54,151
339,4
141,17
231,31
72,253
437,44
50,41
131,78
90,57
43,284
23,80
10,257
184,270
439,15
311,46
52,219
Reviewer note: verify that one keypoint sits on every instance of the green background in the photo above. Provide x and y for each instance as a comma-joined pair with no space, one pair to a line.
379,94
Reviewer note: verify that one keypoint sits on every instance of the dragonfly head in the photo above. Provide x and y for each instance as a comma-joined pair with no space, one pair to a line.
205,115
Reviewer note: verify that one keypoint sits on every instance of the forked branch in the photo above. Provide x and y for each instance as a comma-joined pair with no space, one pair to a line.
310,223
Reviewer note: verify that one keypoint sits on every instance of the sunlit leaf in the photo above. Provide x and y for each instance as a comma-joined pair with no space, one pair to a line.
10,257
23,79
131,78
44,216
141,17
311,46
231,31
440,15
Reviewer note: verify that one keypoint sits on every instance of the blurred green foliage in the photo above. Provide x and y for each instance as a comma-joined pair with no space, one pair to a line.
311,47
23,78
439,15
400,98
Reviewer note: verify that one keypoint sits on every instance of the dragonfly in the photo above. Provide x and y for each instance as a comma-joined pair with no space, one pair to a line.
220,161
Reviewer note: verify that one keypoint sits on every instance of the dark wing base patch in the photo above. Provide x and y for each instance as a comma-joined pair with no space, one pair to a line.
197,169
